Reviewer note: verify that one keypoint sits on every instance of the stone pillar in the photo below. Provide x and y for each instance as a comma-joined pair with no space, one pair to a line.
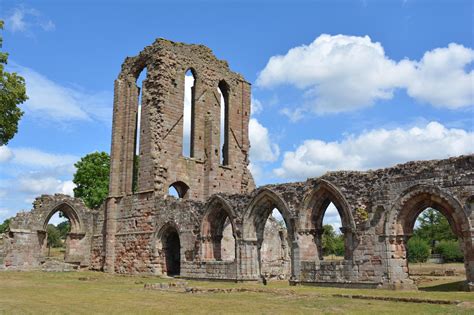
248,259
110,229
468,248
397,263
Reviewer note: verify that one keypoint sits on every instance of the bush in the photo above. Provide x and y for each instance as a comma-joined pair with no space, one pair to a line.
450,250
418,250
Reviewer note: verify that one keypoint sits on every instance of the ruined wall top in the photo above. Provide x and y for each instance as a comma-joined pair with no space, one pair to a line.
215,134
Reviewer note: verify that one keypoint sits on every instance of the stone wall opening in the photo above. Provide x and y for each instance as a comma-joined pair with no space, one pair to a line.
138,130
223,89
332,247
327,202
274,249
171,251
188,113
178,190
433,241
402,222
217,234
268,229
56,238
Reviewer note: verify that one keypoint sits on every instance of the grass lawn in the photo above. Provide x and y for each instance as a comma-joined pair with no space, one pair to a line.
99,293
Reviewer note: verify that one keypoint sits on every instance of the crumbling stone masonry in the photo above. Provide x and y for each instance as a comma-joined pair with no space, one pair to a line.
216,229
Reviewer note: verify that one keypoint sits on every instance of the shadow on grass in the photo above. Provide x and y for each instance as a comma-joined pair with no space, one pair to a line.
445,287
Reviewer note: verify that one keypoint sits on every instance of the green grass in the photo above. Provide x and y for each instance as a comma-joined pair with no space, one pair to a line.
99,293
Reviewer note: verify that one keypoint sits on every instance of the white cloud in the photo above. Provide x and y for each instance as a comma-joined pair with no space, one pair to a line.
24,19
342,73
261,147
256,106
5,154
38,185
375,149
59,103
36,158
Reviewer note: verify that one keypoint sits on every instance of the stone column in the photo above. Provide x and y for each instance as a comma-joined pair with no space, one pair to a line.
110,229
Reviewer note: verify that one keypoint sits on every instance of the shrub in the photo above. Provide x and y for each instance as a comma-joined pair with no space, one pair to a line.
450,250
418,250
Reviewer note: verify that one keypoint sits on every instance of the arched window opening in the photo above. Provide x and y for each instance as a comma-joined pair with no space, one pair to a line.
274,247
188,114
171,249
332,239
434,248
218,240
223,90
136,151
178,190
56,240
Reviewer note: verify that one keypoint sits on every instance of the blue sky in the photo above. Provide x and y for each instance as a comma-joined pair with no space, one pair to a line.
336,84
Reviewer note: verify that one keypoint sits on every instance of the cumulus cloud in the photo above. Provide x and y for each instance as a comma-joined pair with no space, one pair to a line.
261,147
60,103
5,154
256,106
375,149
25,19
29,172
32,184
36,158
343,73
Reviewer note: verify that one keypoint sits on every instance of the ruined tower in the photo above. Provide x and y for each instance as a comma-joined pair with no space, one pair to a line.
218,128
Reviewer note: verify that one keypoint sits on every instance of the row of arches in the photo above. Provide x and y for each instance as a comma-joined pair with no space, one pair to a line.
399,222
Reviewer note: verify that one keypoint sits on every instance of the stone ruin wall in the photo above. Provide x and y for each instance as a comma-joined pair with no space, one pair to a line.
131,232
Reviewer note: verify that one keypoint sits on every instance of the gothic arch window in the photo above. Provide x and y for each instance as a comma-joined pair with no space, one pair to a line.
224,91
188,113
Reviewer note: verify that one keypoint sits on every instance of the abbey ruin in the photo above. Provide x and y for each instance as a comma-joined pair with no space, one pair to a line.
216,228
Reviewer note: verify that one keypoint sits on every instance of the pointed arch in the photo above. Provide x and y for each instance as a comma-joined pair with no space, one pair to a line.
224,90
189,112
260,208
317,201
414,200
167,249
217,215
70,212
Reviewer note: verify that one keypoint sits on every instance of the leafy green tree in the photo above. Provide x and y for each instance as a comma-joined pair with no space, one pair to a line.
332,243
92,179
433,227
5,225
418,250
450,251
12,93
54,236
64,228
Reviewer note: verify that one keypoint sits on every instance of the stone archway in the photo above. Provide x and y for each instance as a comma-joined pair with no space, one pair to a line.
168,250
254,223
401,221
218,236
314,208
28,232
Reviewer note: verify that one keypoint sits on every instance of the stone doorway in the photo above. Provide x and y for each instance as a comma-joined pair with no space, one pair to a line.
171,249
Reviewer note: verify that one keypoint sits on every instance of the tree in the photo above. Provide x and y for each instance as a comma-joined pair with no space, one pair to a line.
433,227
418,250
92,179
64,228
12,93
5,225
54,237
